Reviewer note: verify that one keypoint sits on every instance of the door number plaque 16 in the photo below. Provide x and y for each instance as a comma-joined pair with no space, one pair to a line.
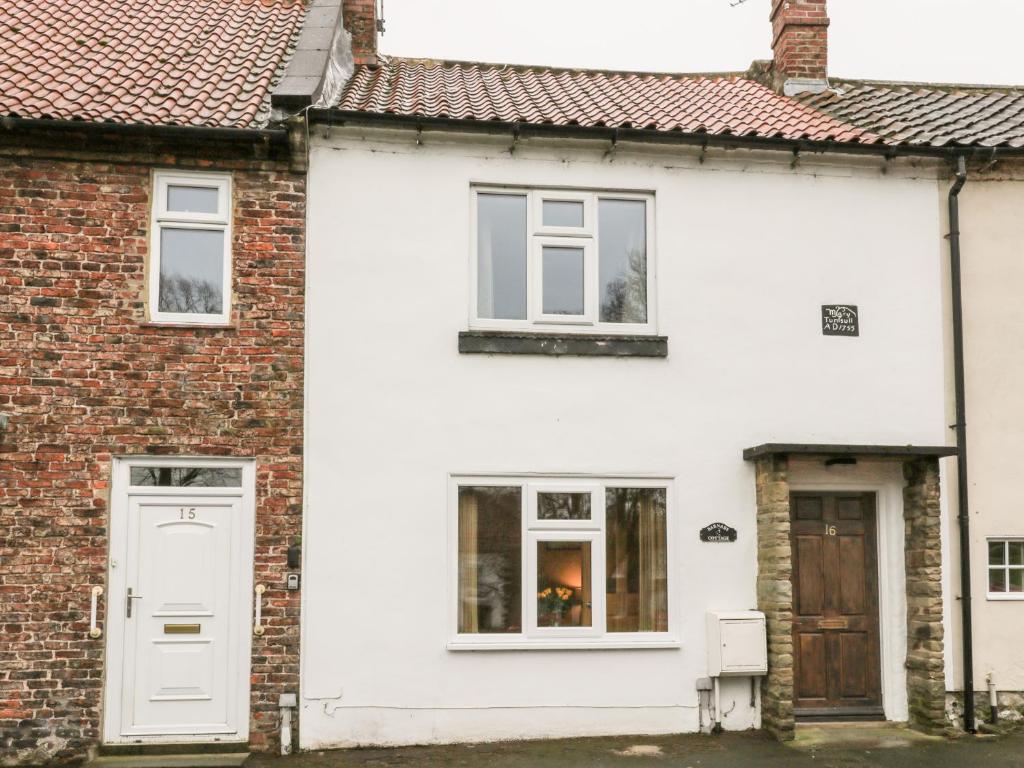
830,530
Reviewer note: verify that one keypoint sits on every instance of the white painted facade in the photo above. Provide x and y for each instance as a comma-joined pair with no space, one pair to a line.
993,281
746,249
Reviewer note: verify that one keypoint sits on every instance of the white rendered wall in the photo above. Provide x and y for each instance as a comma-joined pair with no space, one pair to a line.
746,253
993,285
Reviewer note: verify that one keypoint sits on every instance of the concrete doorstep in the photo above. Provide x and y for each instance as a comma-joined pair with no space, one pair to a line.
858,736
220,760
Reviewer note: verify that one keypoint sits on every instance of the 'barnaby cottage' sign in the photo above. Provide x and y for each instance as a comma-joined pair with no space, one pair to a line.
718,532
839,320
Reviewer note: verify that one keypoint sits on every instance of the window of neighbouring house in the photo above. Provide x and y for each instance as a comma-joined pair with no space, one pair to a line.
549,562
190,247
558,261
1006,568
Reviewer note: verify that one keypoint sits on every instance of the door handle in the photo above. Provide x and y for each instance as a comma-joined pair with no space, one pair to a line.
128,601
257,628
94,631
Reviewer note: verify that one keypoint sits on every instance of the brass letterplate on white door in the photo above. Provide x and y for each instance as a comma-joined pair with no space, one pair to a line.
181,629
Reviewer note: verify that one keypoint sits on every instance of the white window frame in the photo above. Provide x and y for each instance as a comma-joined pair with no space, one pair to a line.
597,580
534,521
586,237
532,531
590,280
588,200
220,222
1006,568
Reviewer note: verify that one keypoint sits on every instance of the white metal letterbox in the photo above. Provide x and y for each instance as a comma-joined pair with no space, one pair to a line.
737,644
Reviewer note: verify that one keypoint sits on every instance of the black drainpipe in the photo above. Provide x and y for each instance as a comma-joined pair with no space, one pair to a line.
961,442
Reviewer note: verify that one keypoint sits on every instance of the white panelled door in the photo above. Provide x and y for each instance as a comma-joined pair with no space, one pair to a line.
182,595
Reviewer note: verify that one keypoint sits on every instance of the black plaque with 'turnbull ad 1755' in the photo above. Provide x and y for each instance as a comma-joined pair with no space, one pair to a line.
840,320
718,533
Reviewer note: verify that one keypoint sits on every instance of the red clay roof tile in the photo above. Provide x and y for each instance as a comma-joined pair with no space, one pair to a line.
729,104
171,62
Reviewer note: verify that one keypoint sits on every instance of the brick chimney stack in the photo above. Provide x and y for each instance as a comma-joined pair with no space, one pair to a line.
799,45
360,19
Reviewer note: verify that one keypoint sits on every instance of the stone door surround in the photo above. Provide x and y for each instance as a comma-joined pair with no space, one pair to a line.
923,558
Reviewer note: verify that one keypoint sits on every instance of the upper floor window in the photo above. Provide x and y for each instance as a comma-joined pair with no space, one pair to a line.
190,267
553,260
1006,569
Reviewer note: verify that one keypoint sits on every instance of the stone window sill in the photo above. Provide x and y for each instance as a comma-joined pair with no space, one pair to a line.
194,326
576,344
599,644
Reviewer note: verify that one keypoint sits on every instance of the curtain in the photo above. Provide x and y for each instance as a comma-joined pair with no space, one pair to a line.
485,267
586,587
469,617
653,566
617,565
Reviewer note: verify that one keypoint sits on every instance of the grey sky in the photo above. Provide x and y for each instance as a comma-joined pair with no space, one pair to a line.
976,41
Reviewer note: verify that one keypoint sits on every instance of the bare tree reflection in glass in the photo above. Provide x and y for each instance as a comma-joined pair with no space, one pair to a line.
191,271
183,477
622,260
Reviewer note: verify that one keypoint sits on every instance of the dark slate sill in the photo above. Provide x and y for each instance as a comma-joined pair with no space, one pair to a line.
583,345
814,449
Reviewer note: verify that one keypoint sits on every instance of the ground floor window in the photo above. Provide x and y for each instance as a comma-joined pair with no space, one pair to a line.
556,559
1006,568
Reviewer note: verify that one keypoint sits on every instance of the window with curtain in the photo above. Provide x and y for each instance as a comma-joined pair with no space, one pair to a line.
546,560
490,560
566,260
635,561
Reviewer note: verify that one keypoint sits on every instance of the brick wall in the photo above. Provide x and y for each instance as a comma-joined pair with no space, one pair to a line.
84,379
799,39
360,19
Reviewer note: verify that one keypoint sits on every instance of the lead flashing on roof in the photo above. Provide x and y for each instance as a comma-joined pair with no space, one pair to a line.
797,85
322,62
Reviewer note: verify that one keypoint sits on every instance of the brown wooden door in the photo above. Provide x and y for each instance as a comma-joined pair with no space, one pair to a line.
835,605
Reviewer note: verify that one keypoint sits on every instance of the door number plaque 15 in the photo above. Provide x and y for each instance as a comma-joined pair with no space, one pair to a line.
187,514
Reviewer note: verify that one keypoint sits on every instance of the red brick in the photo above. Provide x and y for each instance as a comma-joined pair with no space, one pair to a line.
84,380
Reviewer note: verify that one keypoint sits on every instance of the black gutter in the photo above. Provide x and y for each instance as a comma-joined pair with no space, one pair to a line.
340,118
961,442
271,135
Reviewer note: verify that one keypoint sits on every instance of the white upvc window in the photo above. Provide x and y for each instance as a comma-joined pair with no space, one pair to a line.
190,248
560,562
561,261
1006,569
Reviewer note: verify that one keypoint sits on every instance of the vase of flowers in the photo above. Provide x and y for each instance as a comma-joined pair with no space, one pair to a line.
555,602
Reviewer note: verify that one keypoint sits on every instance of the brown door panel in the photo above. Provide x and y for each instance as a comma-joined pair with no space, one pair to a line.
835,600
811,578
811,682
853,658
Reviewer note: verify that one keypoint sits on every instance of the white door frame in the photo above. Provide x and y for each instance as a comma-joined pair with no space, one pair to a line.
886,482
241,618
